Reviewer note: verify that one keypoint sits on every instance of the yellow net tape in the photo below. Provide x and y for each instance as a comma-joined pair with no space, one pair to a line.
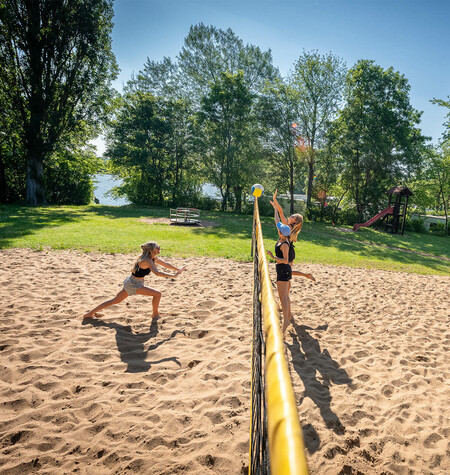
286,448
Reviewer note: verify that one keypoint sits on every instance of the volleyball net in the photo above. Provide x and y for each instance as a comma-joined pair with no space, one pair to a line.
276,442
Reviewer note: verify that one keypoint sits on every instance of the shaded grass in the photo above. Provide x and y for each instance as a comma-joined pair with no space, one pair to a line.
120,230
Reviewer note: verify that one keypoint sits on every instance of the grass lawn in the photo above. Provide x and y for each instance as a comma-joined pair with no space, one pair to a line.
113,229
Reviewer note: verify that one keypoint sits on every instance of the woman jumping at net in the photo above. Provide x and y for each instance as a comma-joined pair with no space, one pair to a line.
134,284
295,222
283,254
288,230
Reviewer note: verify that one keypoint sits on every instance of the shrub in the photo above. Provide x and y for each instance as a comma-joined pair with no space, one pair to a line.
348,216
415,225
204,202
437,228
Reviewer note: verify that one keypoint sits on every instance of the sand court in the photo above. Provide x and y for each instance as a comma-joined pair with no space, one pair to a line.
368,357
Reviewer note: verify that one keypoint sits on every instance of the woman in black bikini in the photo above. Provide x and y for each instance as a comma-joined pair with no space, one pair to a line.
288,230
134,284
283,255
295,222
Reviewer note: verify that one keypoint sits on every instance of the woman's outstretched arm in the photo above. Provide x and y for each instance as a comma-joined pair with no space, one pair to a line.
278,209
157,272
168,266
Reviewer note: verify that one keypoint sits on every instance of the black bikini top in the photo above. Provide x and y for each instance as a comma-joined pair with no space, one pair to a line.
141,272
279,252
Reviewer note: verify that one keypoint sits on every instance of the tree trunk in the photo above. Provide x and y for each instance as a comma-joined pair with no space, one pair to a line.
35,192
310,183
337,205
225,198
238,196
445,211
3,183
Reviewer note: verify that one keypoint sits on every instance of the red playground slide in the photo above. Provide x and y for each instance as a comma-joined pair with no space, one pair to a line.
388,210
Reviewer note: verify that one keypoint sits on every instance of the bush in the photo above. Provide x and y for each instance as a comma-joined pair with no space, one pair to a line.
68,186
416,225
68,176
437,228
318,212
202,202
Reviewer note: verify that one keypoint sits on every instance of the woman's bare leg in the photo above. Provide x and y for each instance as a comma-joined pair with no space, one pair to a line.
156,294
122,295
301,274
283,292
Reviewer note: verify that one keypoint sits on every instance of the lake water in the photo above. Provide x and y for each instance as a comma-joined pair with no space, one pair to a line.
104,183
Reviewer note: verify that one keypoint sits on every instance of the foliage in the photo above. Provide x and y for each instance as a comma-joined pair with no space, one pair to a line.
416,225
442,103
208,52
277,110
148,147
225,119
318,81
68,177
432,184
161,79
375,135
56,65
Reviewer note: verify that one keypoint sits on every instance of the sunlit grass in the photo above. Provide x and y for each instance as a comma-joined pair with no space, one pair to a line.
110,229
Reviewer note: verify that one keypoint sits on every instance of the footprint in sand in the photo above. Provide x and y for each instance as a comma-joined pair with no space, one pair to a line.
197,333
193,363
207,304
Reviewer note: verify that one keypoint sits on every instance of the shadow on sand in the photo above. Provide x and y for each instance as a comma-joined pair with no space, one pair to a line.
131,345
318,371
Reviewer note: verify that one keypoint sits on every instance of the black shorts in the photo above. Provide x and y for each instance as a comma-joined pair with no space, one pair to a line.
284,272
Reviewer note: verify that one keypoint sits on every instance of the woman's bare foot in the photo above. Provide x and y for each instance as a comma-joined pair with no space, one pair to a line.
310,277
156,317
92,315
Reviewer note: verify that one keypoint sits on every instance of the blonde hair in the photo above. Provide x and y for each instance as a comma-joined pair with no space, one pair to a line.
147,250
296,228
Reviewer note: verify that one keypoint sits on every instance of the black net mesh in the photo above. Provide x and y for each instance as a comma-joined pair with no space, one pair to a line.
259,453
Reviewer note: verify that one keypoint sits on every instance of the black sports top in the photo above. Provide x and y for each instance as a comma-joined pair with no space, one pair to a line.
279,252
141,272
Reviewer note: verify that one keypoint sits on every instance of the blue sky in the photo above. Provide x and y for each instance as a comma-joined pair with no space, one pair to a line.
412,36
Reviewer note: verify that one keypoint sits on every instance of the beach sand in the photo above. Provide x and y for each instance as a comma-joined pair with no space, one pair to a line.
368,356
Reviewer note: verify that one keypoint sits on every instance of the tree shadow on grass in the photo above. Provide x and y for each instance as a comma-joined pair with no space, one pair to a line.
131,345
318,371
376,252
20,221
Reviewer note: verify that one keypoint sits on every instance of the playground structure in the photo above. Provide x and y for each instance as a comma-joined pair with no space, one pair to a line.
394,215
185,216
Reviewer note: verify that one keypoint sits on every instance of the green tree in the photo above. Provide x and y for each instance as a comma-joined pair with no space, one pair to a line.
376,135
226,126
147,145
277,112
209,51
68,176
56,68
439,174
318,80
160,78
442,103
12,163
